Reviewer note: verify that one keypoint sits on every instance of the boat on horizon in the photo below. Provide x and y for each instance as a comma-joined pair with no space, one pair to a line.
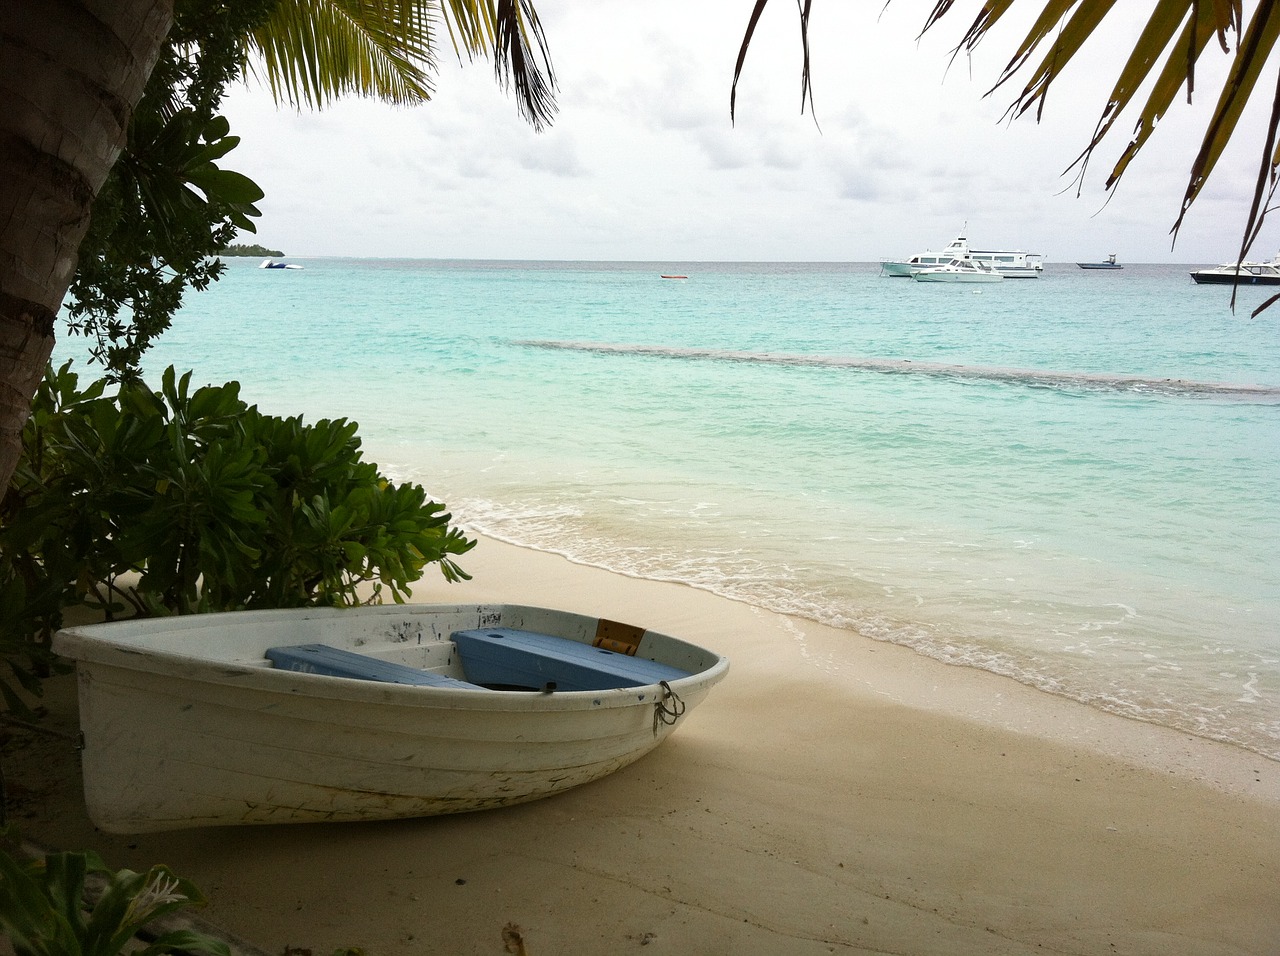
273,264
1010,264
1243,273
958,270
1109,263
370,713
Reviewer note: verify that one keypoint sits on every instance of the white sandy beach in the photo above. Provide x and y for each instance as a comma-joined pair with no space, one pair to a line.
832,795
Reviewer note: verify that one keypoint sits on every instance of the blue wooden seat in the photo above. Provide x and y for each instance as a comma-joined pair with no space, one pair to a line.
335,662
507,657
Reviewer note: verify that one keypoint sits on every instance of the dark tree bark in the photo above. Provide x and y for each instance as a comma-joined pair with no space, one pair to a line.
71,73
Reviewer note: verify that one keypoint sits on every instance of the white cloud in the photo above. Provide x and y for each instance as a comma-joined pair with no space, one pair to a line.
642,162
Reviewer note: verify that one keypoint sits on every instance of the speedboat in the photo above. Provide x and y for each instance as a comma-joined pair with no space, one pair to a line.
1244,273
272,264
1110,263
1011,265
958,270
371,713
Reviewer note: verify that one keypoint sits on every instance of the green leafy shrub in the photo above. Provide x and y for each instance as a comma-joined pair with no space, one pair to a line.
45,910
181,501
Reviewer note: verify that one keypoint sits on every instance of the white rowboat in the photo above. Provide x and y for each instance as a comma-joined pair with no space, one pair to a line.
451,708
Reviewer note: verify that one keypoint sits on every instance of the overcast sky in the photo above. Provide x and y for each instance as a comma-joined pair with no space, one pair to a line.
642,162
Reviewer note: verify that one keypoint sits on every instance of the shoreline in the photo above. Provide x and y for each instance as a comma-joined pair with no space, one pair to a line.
832,794
908,677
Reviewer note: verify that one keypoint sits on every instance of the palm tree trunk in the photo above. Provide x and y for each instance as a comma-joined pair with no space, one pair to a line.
71,73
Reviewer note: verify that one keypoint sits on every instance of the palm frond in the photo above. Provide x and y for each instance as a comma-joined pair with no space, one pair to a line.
1169,24
1070,37
990,15
471,27
508,30
1267,182
516,63
1179,67
314,51
756,11
806,75
1177,34
1256,45
806,86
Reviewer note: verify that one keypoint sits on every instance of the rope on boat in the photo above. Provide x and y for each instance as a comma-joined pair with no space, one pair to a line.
668,708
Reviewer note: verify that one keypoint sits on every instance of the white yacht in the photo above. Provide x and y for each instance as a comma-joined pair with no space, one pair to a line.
958,270
1246,273
1011,265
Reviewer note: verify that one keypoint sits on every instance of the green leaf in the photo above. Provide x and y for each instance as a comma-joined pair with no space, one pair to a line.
225,186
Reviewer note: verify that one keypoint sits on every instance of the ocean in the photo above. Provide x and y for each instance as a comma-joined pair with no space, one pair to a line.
1071,481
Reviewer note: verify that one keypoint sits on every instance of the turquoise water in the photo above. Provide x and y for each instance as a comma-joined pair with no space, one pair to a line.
1030,478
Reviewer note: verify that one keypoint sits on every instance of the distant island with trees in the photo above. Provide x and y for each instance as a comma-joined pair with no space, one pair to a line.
251,249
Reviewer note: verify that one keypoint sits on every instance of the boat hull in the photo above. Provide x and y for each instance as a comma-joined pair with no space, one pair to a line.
1229,278
908,270
176,737
938,275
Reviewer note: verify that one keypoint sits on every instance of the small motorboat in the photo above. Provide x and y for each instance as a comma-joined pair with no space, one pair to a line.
1110,263
372,713
273,264
958,270
1243,273
674,277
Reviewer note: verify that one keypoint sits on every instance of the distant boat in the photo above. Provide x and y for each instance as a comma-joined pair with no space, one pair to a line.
1246,273
675,277
958,270
272,264
1010,264
372,713
1109,264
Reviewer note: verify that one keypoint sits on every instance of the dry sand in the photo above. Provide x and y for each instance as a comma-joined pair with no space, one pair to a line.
832,795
